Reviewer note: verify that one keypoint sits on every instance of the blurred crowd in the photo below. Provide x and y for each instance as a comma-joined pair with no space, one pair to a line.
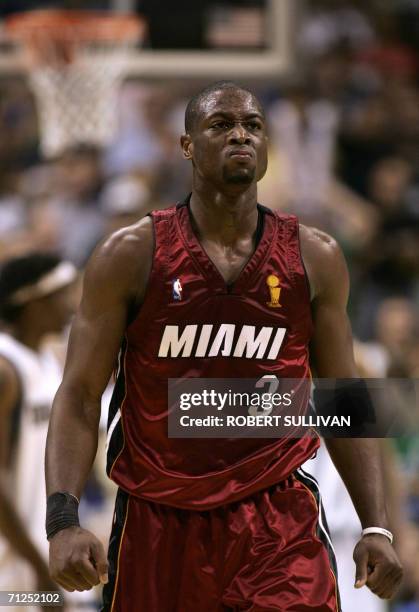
344,156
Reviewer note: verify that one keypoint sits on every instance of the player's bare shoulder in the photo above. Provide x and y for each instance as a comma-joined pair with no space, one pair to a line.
316,244
323,260
134,242
121,263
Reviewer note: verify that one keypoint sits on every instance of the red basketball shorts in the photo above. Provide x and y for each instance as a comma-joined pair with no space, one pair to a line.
267,552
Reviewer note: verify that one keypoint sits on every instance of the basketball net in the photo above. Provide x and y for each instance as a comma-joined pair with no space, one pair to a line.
76,61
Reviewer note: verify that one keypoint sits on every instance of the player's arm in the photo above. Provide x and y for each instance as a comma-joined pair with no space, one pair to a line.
357,460
11,525
114,283
9,397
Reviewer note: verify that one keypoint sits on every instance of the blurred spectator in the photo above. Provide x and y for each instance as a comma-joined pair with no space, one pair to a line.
136,145
304,131
18,122
12,209
69,215
151,121
389,181
329,23
124,201
397,330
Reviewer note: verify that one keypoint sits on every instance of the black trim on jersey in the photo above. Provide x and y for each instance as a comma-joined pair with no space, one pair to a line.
115,541
265,210
311,483
133,312
136,305
116,442
186,202
262,211
260,226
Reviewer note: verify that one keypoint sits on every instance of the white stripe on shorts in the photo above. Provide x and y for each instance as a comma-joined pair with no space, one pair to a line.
112,426
322,527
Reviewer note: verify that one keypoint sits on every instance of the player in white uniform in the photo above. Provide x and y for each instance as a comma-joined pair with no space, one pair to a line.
35,300
345,528
342,518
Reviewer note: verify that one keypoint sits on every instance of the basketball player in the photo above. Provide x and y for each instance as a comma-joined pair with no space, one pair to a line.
35,301
203,289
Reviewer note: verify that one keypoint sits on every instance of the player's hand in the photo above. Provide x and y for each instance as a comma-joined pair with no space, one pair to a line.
377,566
77,559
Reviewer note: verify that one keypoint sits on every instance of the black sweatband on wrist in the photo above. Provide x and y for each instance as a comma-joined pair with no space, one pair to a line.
62,512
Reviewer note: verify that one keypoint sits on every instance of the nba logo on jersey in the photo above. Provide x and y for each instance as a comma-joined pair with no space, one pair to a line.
177,290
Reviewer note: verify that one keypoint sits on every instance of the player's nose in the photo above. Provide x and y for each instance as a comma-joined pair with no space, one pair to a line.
239,135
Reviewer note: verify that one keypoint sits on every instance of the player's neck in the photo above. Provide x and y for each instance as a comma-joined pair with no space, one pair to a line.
224,217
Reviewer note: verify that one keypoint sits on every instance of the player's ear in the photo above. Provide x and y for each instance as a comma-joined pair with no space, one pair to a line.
187,146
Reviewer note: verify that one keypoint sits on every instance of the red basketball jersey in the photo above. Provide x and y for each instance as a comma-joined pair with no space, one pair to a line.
192,324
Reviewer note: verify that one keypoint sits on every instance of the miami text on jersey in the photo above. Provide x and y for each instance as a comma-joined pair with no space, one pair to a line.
226,340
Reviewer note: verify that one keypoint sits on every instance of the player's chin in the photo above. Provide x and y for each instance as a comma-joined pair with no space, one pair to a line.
239,176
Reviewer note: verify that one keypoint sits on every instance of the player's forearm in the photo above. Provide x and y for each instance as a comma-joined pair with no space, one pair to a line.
72,441
358,461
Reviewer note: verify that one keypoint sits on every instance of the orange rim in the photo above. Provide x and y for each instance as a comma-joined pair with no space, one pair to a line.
75,26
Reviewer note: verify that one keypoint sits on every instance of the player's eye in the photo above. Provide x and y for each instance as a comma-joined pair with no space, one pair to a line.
254,126
221,125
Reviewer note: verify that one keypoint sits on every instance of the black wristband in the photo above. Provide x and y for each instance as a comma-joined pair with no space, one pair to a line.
62,512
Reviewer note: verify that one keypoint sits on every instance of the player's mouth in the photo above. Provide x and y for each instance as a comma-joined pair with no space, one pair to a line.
242,153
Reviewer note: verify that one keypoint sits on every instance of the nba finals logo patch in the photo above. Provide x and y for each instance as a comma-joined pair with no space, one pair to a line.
274,290
177,290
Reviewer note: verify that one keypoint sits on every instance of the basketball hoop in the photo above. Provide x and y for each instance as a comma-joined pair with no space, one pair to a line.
75,60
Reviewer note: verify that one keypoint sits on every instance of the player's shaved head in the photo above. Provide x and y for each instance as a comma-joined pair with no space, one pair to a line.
195,105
